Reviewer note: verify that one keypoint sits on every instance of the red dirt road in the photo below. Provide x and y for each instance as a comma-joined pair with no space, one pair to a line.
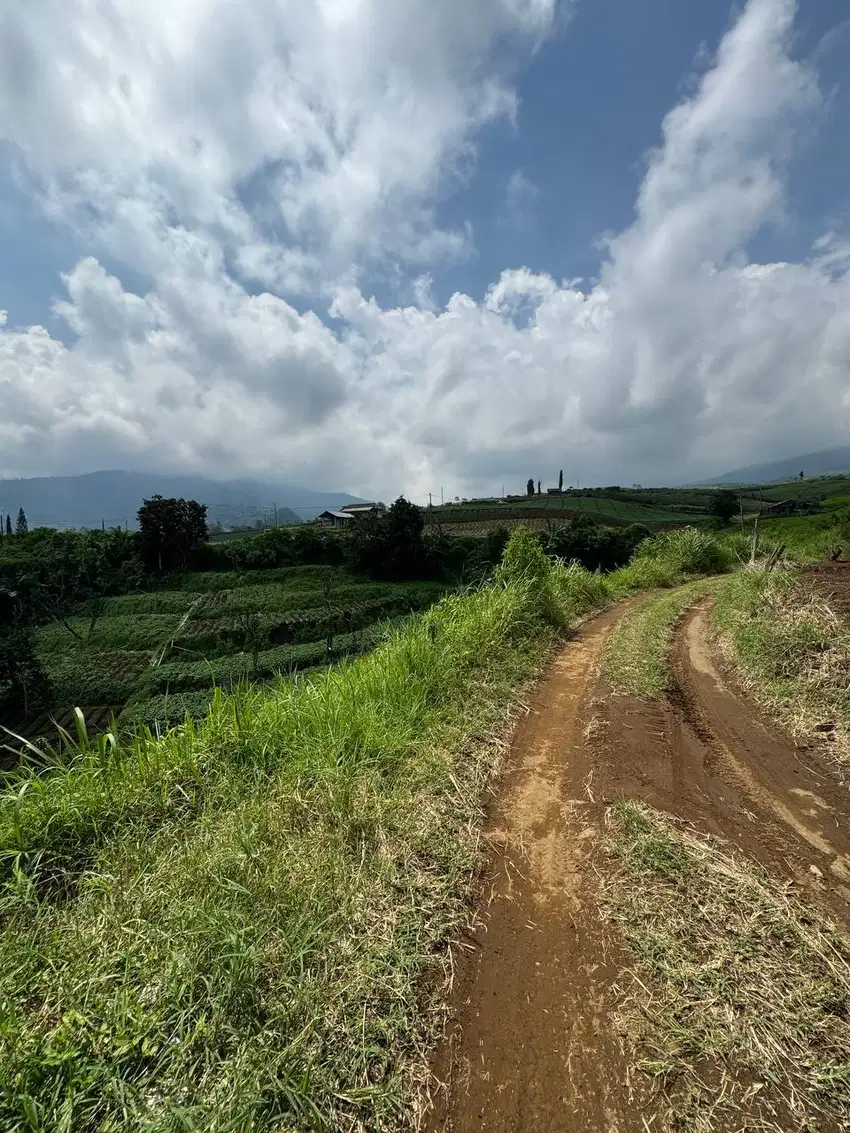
534,1048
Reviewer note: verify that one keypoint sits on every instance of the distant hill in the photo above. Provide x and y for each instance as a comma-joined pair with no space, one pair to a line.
114,498
810,464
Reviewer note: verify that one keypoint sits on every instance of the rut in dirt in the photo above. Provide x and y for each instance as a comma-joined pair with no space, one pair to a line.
535,1046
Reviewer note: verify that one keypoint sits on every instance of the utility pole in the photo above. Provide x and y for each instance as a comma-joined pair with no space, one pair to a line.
430,505
442,499
275,514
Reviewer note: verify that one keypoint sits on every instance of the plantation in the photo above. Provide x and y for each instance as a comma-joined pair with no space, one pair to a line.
146,648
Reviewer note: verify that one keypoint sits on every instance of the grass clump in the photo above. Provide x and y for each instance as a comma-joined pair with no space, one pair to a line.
739,996
636,658
684,551
789,649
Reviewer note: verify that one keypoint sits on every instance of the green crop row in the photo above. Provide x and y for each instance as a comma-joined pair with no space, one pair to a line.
79,678
218,636
260,596
184,677
296,577
132,632
178,691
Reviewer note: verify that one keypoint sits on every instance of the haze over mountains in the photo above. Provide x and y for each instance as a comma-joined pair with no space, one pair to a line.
113,498
811,464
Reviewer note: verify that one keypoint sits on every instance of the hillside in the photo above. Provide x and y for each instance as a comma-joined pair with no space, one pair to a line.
811,464
114,498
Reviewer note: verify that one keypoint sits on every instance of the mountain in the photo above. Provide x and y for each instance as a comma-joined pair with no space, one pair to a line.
811,464
113,498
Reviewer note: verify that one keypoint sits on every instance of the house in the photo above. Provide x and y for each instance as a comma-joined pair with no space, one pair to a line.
333,519
341,517
363,509
783,507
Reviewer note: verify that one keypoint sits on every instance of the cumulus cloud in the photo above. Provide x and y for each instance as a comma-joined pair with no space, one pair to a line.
683,357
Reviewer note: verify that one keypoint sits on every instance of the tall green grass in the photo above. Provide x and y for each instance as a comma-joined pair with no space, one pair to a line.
235,927
790,649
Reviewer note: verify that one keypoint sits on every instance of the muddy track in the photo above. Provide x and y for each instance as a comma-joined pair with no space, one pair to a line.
533,1046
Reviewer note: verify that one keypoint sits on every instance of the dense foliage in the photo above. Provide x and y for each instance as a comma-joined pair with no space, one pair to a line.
170,531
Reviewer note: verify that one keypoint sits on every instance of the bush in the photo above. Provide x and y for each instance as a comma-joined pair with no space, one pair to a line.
595,546
525,562
687,551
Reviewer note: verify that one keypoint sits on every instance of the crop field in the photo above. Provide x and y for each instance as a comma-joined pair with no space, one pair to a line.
541,512
823,488
159,655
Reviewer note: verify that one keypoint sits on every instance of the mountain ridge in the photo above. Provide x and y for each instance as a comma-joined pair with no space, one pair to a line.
112,497
811,464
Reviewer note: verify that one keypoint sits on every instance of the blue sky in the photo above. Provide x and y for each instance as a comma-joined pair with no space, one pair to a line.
338,241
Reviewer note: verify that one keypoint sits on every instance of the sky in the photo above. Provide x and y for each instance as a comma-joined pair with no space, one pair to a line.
392,246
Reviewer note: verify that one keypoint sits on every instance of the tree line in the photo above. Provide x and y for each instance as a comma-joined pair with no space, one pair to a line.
21,526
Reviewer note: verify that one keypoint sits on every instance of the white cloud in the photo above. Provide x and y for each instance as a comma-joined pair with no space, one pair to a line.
348,114
683,358
520,198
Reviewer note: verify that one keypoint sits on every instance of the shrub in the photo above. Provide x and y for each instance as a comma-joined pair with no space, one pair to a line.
687,551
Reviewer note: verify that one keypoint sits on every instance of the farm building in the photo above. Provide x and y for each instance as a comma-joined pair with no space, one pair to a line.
333,519
783,507
340,516
363,509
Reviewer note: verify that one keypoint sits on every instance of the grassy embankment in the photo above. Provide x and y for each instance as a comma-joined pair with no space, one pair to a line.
777,632
242,925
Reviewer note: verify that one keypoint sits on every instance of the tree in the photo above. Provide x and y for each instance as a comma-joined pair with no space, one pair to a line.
801,475
170,531
529,488
253,634
8,524
391,546
561,480
723,504
21,524
24,689
539,488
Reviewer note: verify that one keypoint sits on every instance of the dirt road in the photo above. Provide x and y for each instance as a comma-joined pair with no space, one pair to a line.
534,1048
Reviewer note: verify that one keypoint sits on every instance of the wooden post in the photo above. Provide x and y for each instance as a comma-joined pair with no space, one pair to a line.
741,503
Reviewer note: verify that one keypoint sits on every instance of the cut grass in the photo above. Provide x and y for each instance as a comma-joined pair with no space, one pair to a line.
739,998
636,658
788,648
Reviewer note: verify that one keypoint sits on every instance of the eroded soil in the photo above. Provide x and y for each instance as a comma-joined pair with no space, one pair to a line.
534,1046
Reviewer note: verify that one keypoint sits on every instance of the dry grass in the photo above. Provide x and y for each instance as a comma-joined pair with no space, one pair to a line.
739,997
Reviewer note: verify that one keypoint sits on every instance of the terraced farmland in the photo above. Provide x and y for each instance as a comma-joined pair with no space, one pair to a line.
154,657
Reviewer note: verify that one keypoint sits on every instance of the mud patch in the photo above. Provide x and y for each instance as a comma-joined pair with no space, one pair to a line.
534,1047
